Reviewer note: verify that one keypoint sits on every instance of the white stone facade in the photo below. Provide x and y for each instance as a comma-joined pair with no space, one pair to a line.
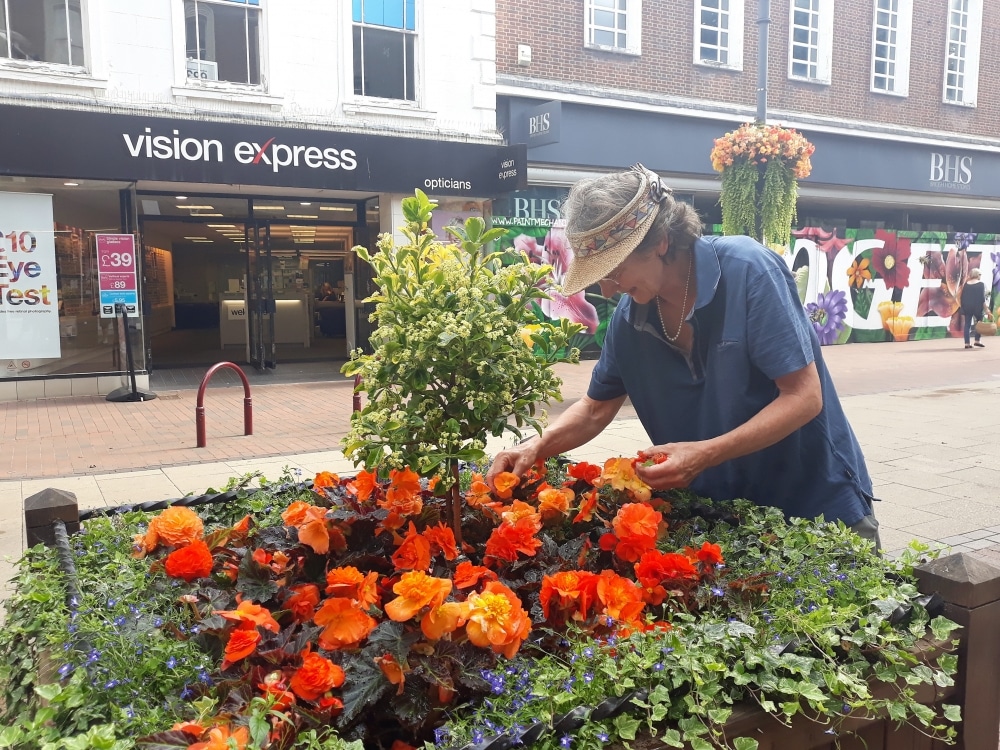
135,61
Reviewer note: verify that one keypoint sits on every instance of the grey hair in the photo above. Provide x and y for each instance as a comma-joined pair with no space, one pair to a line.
595,201
975,273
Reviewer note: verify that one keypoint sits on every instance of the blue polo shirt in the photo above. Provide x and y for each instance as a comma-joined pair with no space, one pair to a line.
749,329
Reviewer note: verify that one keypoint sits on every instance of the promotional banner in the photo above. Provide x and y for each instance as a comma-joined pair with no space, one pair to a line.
29,306
116,275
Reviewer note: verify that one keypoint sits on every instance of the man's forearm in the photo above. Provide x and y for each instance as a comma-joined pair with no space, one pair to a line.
578,425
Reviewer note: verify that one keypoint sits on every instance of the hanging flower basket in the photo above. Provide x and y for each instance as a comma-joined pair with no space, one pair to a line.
760,165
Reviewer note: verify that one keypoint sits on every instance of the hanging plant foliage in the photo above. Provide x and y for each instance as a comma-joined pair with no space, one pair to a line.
760,166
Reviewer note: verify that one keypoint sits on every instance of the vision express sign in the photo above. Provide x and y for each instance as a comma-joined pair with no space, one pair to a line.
90,145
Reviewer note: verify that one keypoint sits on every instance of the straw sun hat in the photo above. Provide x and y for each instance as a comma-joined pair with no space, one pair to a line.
599,251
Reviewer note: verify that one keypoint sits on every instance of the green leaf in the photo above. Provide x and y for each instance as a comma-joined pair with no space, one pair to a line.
745,743
942,627
698,743
627,726
862,299
671,738
49,692
952,712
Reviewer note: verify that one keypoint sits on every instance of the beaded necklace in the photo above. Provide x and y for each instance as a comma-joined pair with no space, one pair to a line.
659,312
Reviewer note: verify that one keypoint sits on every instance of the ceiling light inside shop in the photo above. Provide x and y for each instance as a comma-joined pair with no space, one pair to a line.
303,216
203,242
221,226
268,208
203,216
336,208
181,197
198,208
71,184
305,203
196,238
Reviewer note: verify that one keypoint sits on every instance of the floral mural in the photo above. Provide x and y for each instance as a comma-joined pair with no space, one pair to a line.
857,285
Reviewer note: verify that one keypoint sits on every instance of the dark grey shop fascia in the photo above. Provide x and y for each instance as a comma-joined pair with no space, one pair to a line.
41,142
597,137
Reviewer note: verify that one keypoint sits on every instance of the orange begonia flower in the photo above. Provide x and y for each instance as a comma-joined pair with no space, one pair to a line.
190,562
507,540
497,619
468,575
586,511
416,590
586,471
620,597
571,592
314,531
636,526
344,582
414,553
303,601
403,485
343,622
442,540
554,503
176,526
479,492
325,479
189,727
445,618
393,671
295,513
242,526
505,482
242,642
316,676
220,738
250,615
620,474
709,554
363,486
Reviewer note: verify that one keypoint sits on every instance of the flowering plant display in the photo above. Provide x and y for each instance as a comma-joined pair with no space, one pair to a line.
580,610
760,164
450,364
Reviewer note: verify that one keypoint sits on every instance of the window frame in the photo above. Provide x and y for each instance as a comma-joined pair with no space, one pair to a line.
92,72
185,85
415,33
736,31
824,44
900,79
633,29
970,75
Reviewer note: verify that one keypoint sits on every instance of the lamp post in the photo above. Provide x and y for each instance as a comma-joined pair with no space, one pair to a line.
763,25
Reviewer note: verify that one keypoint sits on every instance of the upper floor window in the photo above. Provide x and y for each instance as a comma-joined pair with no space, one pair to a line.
961,70
49,31
891,46
810,49
718,33
614,25
223,40
384,43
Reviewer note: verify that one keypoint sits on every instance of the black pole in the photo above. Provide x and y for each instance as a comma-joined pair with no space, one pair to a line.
123,393
763,25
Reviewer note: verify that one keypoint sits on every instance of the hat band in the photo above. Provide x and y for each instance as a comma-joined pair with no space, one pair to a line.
618,231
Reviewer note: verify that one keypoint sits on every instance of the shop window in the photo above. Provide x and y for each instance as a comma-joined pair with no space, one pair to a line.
614,25
961,70
891,46
718,33
384,48
223,40
810,48
42,30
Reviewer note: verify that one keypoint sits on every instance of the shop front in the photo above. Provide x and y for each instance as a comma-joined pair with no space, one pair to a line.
218,240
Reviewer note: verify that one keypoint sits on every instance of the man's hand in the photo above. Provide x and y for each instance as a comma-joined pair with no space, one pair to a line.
673,464
517,460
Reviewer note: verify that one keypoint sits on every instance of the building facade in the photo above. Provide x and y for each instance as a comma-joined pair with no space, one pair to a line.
189,176
900,98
